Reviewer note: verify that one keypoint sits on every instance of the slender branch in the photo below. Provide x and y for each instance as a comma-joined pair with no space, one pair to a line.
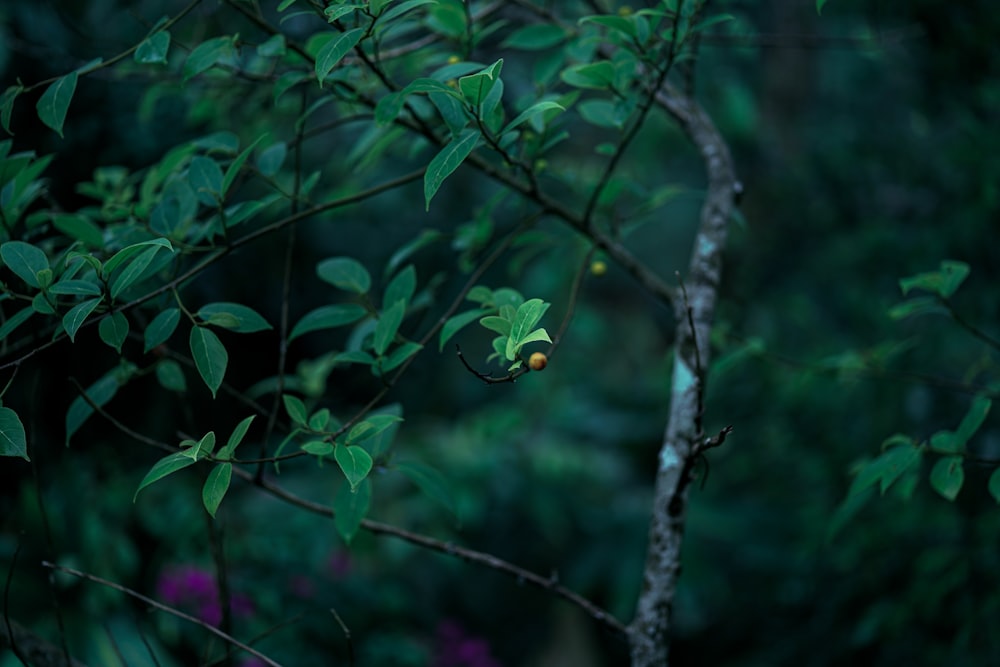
162,607
968,326
347,636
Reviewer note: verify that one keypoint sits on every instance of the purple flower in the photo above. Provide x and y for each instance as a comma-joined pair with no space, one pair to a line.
194,589
455,648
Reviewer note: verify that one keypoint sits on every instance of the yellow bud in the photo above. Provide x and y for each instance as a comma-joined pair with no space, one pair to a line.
624,10
454,59
537,361
598,268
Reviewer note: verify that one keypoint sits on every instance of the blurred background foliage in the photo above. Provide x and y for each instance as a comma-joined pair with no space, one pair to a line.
867,147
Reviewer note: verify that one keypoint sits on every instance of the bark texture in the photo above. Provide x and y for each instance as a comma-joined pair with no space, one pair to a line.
684,439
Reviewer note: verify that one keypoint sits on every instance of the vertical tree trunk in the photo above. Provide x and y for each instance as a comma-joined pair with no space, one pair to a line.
684,438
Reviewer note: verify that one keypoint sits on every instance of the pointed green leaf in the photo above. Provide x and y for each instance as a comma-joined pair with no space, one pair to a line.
54,102
350,507
153,49
128,252
535,37
236,438
295,408
170,375
947,476
12,439
431,482
531,112
25,260
528,315
388,325
243,319
113,329
402,286
400,354
447,161
7,105
334,51
974,418
498,324
456,323
354,461
77,315
207,54
133,271
161,328
346,273
167,465
76,288
328,317
210,357
216,486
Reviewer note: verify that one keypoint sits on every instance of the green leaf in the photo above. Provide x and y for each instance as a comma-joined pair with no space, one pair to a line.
431,482
161,328
170,376
350,507
80,228
127,252
355,462
271,158
318,448
77,315
328,317
498,324
947,476
54,102
538,335
388,325
334,51
974,418
943,282
346,273
528,315
994,485
447,161
242,318
153,49
401,287
535,37
12,439
371,427
273,47
591,75
399,355
295,408
425,237
336,12
233,170
167,465
7,105
819,6
14,321
895,462
236,438
113,329
210,357
216,486
320,419
922,305
531,112
133,271
207,54
76,288
205,176
456,323
25,260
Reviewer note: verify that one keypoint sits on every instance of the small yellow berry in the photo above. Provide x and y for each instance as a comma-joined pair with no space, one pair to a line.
624,10
537,361
598,268
454,59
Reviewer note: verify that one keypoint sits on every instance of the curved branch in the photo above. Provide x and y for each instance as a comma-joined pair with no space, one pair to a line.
684,439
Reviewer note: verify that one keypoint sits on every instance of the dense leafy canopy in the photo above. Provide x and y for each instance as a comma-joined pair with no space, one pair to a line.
241,243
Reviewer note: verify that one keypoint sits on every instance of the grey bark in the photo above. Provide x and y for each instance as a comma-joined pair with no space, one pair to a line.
684,439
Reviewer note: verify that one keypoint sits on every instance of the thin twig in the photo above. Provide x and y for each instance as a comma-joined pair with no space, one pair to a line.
162,607
347,636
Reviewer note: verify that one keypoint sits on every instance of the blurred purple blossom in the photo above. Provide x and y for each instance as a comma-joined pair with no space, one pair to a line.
194,589
456,648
